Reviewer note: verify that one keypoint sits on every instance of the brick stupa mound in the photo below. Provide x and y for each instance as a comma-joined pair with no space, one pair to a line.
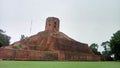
49,45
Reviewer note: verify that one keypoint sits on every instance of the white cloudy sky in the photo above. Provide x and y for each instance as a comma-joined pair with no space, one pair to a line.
88,21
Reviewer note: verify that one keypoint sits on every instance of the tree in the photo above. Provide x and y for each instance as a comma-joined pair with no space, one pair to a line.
1,31
94,48
4,39
115,45
22,37
106,46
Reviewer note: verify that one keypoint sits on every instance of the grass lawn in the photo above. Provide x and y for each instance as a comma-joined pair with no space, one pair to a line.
58,64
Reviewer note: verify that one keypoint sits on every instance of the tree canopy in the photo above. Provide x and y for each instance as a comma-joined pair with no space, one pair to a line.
4,39
94,48
115,45
22,37
106,46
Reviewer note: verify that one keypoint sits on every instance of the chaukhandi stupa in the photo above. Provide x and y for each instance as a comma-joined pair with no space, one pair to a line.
50,44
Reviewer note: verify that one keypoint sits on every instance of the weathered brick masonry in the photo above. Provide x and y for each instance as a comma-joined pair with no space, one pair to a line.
50,44
9,54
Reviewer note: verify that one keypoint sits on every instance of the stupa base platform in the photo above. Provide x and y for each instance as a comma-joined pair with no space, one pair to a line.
10,54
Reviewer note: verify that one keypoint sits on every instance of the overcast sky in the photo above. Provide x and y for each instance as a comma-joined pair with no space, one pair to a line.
87,21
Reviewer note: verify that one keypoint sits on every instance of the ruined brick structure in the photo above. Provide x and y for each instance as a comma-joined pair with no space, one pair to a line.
50,44
52,24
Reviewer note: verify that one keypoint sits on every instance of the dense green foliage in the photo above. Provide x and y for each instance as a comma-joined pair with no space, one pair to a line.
107,50
19,47
94,48
58,64
4,39
111,47
22,37
115,45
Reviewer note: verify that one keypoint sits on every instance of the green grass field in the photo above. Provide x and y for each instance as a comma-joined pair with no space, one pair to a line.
57,64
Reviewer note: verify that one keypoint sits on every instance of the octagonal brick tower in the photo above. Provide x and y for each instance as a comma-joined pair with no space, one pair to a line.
52,24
